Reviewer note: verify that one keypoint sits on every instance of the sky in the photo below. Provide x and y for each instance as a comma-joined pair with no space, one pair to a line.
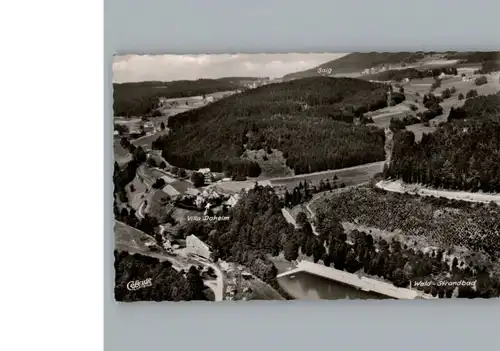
136,68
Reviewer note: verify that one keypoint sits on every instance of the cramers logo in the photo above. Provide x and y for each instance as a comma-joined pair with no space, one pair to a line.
139,284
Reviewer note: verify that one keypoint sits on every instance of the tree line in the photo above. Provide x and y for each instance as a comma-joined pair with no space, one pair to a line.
285,116
303,191
490,66
434,109
398,124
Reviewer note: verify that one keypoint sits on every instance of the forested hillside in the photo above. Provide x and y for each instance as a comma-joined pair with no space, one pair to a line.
462,154
309,120
139,99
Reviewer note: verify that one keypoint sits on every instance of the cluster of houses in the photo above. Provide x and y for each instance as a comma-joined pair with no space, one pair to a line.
211,196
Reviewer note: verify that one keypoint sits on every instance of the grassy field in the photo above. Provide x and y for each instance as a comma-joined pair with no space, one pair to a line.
382,117
131,240
348,176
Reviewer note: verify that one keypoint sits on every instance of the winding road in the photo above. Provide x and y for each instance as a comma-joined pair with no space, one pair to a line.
149,192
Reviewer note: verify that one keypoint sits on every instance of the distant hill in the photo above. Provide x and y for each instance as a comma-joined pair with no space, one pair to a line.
141,98
357,61
309,120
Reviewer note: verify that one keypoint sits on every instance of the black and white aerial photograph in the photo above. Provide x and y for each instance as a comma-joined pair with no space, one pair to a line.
306,176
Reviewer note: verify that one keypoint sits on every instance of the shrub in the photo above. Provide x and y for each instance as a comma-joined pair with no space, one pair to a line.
198,179
460,96
446,94
471,93
481,80
160,183
436,84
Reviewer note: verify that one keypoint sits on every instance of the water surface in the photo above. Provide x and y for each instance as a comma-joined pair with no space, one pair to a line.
306,286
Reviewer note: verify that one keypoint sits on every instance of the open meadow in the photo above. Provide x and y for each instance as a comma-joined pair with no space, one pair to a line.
381,118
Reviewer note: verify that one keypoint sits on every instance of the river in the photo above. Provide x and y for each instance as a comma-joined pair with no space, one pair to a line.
306,286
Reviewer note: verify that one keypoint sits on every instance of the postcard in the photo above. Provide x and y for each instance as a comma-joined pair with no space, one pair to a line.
307,176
